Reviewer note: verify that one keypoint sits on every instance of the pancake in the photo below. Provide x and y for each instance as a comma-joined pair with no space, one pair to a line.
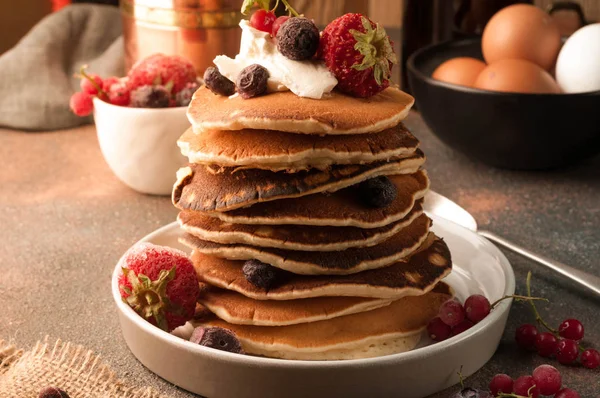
387,330
342,208
285,111
212,188
412,276
275,150
344,262
236,308
291,237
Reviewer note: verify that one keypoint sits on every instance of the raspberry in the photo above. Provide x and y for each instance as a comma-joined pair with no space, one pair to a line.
150,97
261,275
378,192
159,69
88,87
217,338
217,83
160,284
81,104
184,97
298,39
252,81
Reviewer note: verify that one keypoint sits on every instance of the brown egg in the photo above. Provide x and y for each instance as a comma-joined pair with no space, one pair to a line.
517,76
521,31
462,71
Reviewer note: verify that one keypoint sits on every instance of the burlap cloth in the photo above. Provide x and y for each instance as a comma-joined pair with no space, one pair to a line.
74,369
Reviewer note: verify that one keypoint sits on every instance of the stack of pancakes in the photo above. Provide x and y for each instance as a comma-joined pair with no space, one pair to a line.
275,179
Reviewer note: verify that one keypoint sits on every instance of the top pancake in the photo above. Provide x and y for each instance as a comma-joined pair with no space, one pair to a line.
275,150
285,111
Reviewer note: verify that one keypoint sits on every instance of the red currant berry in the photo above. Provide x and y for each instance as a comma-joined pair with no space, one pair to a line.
571,329
452,312
438,330
567,351
525,336
590,358
546,344
277,24
81,104
119,94
548,379
88,87
262,20
567,393
108,82
477,307
461,327
525,386
501,383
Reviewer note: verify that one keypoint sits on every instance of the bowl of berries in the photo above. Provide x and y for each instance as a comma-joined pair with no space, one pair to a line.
139,118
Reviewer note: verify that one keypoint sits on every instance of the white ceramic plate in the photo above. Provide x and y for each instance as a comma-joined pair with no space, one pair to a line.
479,267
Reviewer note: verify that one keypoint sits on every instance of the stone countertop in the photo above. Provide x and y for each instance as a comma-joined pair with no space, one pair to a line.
66,220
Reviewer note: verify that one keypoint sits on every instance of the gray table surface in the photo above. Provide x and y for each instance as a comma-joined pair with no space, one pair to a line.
65,221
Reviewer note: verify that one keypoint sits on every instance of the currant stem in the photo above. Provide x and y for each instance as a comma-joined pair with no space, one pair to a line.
96,86
511,395
276,5
518,298
289,8
537,315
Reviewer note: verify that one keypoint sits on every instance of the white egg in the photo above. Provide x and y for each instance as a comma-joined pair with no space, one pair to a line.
578,64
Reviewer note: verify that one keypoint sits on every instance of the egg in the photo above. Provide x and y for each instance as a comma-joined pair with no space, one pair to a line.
517,76
578,65
521,31
461,70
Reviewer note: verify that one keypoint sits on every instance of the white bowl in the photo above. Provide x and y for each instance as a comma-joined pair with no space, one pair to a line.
479,267
140,144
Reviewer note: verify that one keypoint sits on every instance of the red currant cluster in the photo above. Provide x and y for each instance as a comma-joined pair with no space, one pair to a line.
564,343
266,21
110,89
545,380
454,318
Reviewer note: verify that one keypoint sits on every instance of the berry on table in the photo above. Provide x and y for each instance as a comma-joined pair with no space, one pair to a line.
160,284
452,312
90,83
160,69
81,104
525,336
548,379
277,24
378,192
298,39
477,307
261,275
571,329
263,20
525,386
184,97
52,392
217,338
546,344
359,54
567,351
462,327
150,97
252,81
501,383
469,392
438,330
567,393
217,83
590,358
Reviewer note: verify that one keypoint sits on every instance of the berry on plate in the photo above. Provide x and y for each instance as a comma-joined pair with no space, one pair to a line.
217,83
378,191
252,81
298,39
260,274
217,338
160,69
160,284
359,54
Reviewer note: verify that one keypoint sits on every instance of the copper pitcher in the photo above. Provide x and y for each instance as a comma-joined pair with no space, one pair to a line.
198,30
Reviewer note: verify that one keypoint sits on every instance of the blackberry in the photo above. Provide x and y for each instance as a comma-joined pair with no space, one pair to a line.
252,81
150,97
184,97
217,83
378,191
259,274
217,338
298,39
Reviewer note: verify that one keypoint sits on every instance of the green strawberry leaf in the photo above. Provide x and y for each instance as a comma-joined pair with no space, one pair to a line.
247,5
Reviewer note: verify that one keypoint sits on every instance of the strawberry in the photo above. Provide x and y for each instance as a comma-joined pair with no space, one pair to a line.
160,69
359,53
160,284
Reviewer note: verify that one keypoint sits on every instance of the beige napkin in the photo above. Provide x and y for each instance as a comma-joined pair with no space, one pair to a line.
72,368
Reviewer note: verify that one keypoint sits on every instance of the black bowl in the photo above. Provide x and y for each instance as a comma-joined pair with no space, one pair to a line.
509,130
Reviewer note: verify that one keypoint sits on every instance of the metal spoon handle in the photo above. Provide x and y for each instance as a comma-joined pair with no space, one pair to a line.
585,279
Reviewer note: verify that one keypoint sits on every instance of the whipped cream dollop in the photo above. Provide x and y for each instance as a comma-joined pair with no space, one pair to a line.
309,78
